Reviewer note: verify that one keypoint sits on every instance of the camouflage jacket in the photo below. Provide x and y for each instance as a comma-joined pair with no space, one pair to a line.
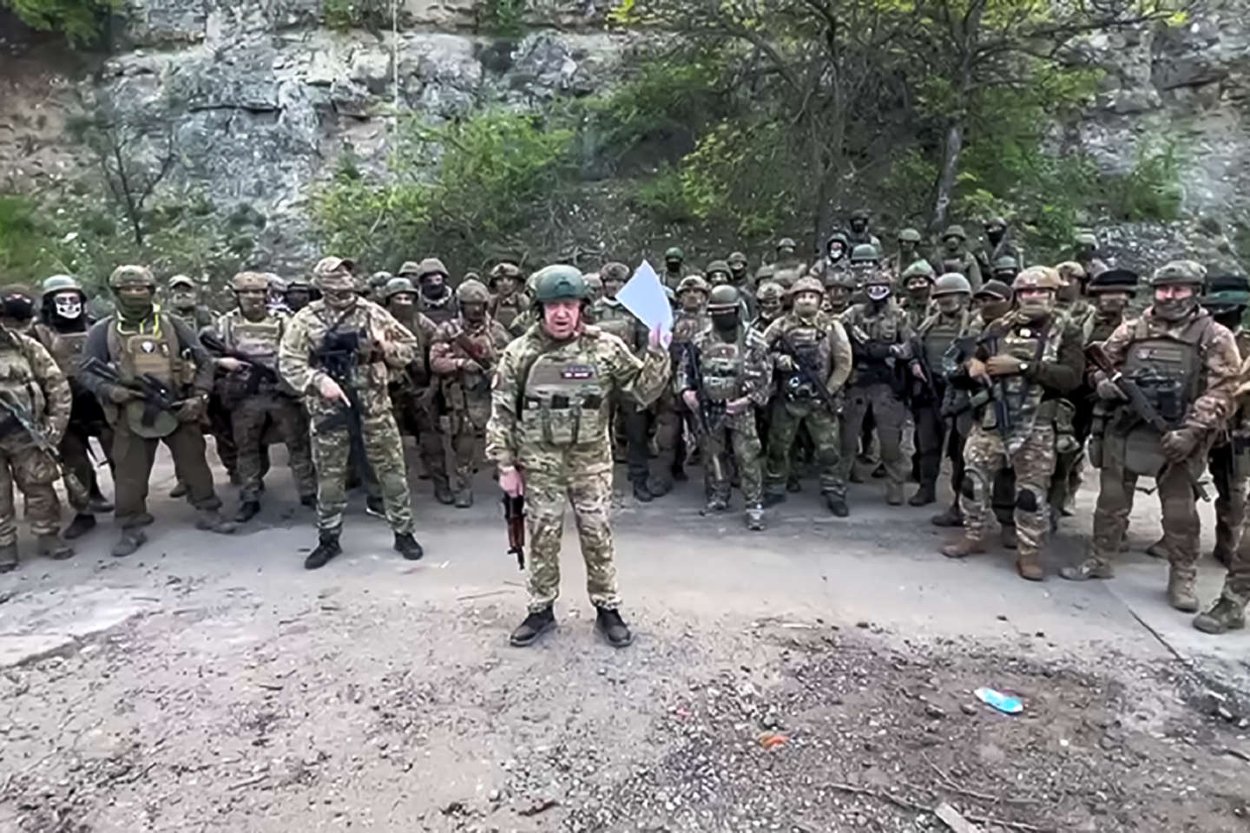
534,422
417,375
457,342
509,310
33,381
834,348
746,354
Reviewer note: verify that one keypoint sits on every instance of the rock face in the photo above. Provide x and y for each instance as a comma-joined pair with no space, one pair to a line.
263,98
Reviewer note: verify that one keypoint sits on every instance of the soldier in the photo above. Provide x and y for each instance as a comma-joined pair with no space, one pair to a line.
835,259
139,340
435,300
33,390
918,281
1072,299
372,289
1085,252
935,337
738,274
908,251
674,267
998,246
1029,359
690,318
339,352
956,257
1187,367
725,374
62,331
839,286
184,303
881,343
1005,269
769,297
415,392
253,393
548,435
275,294
299,293
463,356
859,233
809,350
594,286
1110,293
611,317
787,256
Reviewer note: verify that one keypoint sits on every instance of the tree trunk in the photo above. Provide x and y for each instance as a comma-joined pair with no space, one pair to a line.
950,169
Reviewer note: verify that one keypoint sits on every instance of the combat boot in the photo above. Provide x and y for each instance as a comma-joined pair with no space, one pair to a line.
1159,549
661,485
1087,569
774,498
210,520
248,509
1222,555
894,493
1181,593
755,518
180,489
53,547
442,492
327,548
464,499
715,506
965,546
879,472
836,505
1008,535
308,500
80,526
641,493
952,517
97,504
407,546
535,625
130,540
793,485
1029,566
1224,616
609,623
925,495
8,558
375,506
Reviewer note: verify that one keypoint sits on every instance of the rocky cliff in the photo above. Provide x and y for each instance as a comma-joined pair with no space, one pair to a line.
263,99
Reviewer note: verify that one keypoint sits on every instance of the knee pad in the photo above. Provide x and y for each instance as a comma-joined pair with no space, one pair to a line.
972,486
1026,500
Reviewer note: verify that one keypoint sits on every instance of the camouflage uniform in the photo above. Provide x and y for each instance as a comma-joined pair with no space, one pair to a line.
821,344
734,367
738,276
464,352
998,246
550,402
414,391
140,341
1188,366
508,305
32,383
1045,352
908,252
881,341
610,316
917,279
935,337
858,232
361,342
435,300
674,268
252,398
955,257
669,441
184,305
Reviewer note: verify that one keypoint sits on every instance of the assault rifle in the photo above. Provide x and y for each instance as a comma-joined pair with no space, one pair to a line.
257,372
1145,410
807,373
514,515
155,394
337,357
709,414
21,419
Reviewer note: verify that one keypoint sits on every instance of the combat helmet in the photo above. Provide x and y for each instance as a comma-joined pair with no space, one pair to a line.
504,269
1114,280
1037,277
807,284
769,292
472,291
786,243
908,235
954,231
723,298
181,280
765,273
692,283
1070,270
614,271
737,258
124,276
715,267
919,269
60,283
378,281
952,283
334,274
410,268
1179,273
996,222
994,289
860,214
1226,292
397,286
558,282
865,253
246,281
674,253
1006,265
429,266
593,281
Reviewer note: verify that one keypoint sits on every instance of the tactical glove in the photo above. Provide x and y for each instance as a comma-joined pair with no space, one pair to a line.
120,394
191,409
1108,391
1179,445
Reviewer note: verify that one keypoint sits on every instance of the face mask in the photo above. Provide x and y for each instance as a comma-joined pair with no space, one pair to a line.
991,310
134,307
1110,306
297,299
339,299
1174,309
948,304
952,244
433,289
738,274
473,312
835,252
806,305
182,300
919,293
1035,308
995,235
726,321
68,305
1068,294
877,293
401,306
673,265
18,308
858,226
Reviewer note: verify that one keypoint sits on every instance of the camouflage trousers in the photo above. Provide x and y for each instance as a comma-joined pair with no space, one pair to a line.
822,427
468,446
133,457
383,450
1181,525
546,494
34,472
416,413
248,428
1237,582
670,445
889,412
222,429
736,433
1230,500
1033,464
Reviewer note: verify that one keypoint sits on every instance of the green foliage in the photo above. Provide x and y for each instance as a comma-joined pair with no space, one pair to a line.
505,18
344,15
23,239
1151,190
663,197
494,174
82,22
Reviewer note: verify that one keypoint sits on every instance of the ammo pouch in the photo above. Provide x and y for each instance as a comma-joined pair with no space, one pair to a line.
563,422
1065,434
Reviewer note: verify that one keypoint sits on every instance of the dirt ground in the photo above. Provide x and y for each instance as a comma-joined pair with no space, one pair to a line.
816,677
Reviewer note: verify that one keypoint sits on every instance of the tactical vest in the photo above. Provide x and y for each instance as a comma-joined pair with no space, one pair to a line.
722,367
806,338
258,340
615,319
563,402
440,312
938,333
17,381
1026,342
1169,370
468,394
66,348
152,349
507,310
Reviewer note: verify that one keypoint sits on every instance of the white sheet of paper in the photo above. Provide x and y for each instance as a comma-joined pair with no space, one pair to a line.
644,296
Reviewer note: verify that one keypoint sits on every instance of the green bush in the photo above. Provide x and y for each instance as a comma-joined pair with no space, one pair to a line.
344,15
663,197
505,18
1151,190
82,22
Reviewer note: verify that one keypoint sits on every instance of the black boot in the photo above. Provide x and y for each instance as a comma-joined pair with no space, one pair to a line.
641,493
837,505
442,492
535,625
952,517
248,509
97,504
375,506
407,546
609,623
80,526
130,540
327,548
923,496
308,500
464,499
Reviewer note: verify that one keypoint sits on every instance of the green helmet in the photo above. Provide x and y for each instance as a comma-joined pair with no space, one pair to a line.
920,268
839,278
764,273
1006,264
865,253
737,259
559,282
692,283
59,283
674,253
954,231
787,243
1038,277
909,235
723,298
952,283
1226,291
878,277
717,266
1179,273
124,276
397,286
475,292
379,280
430,266
504,269
409,268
